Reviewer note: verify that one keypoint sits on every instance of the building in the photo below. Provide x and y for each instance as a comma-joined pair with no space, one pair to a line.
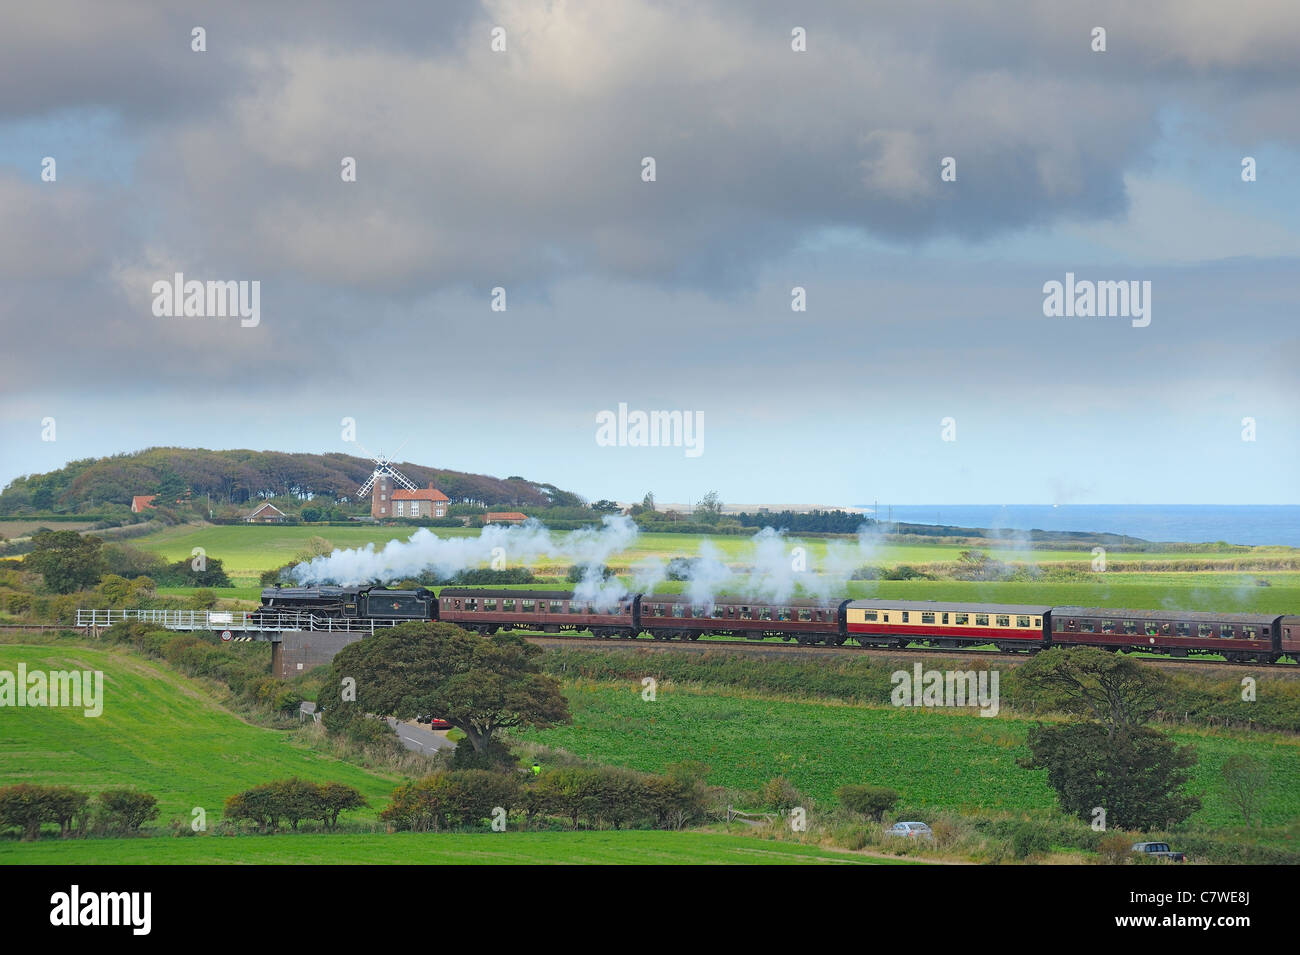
504,517
385,502
266,513
425,502
141,501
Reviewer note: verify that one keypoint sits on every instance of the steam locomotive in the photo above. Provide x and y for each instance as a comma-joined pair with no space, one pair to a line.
1238,637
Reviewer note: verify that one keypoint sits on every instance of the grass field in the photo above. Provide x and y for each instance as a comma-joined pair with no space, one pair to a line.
250,549
246,551
160,732
933,758
404,848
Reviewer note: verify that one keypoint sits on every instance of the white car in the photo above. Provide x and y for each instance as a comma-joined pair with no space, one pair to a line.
911,830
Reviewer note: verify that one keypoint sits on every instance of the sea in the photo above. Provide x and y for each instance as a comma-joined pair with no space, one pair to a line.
1190,523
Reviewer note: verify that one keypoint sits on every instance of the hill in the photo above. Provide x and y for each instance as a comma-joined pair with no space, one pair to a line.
160,732
239,476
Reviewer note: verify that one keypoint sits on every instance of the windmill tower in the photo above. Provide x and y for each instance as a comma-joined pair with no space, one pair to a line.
380,485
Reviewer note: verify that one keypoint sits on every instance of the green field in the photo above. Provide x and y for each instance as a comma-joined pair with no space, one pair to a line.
934,759
628,847
160,732
246,551
250,549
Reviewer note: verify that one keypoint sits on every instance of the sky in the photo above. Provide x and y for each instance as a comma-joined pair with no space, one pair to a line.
921,370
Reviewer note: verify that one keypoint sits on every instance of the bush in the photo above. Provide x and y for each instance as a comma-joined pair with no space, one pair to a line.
870,801
1028,838
125,810
26,807
780,795
1115,848
456,798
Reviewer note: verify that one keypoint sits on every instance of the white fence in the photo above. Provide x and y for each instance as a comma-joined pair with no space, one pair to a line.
218,620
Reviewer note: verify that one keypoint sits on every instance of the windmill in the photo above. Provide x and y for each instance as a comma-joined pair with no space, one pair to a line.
383,468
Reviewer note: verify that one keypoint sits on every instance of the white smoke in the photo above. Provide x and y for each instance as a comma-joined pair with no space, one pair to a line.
520,544
773,569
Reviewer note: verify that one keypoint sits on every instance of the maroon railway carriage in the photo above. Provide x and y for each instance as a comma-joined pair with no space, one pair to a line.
1289,638
550,611
1237,636
669,616
897,623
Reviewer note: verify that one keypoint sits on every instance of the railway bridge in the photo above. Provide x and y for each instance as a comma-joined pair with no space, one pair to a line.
299,641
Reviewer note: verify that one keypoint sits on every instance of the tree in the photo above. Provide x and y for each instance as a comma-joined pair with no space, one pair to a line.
298,800
479,685
335,798
648,502
67,560
709,510
1244,780
25,807
1134,773
605,506
1117,691
125,810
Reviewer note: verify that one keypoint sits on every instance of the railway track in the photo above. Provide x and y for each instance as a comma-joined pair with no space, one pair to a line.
774,649
769,648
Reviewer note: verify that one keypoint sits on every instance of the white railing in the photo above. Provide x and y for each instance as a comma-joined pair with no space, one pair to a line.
218,620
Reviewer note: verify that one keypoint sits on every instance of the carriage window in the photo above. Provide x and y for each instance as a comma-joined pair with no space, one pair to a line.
679,610
1130,626
886,618
1038,621
1184,630
906,614
457,604
471,604
1087,626
945,618
1226,631
782,613
1022,621
960,619
807,615
699,611
927,618
731,611
765,613
981,620
744,613
1248,633
1108,626
508,605
490,603
1205,630
557,606
1003,620
718,612
866,615
526,606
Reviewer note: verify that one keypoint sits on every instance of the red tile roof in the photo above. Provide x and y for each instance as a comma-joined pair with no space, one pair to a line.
430,493
491,516
141,501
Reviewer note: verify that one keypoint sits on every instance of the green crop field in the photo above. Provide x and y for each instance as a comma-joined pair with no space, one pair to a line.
250,549
933,758
160,732
628,847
